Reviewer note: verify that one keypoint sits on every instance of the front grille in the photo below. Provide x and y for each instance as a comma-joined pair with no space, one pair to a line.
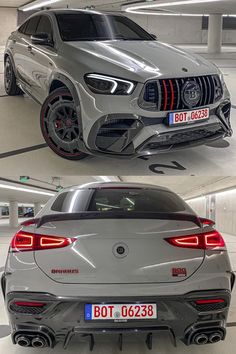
167,94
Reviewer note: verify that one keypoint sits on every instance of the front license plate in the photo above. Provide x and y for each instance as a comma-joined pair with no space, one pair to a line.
120,312
189,116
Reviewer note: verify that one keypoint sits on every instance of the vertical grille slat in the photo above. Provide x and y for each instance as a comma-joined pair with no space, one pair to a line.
204,90
178,94
199,81
172,95
159,94
166,94
208,90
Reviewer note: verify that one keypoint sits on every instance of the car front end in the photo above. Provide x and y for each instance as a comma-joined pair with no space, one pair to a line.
156,116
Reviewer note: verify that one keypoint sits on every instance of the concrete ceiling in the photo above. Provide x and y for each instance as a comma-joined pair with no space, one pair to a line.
221,6
186,186
13,3
46,185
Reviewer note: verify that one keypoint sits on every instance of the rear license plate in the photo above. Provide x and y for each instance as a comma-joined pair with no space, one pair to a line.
120,312
187,117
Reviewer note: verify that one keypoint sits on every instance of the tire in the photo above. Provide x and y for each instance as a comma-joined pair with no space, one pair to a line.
60,125
11,87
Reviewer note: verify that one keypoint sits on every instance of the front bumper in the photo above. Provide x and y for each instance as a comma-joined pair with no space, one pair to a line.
136,132
63,317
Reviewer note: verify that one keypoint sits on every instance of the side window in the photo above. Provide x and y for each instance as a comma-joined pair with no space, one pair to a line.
32,26
23,27
45,26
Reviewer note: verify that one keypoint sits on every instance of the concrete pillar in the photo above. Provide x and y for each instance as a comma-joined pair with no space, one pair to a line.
215,29
37,208
13,214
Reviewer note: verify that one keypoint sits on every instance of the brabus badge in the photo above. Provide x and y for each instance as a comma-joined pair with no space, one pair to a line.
179,272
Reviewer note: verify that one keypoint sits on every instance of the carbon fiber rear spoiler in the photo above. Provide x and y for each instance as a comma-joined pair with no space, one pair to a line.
88,215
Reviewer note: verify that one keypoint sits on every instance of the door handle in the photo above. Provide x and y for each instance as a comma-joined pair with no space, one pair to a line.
29,48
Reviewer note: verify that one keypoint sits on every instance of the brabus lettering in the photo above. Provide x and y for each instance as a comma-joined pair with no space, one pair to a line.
179,272
65,271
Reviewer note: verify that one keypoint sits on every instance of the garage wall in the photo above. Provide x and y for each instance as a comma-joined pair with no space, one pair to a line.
199,206
179,30
226,212
8,23
223,211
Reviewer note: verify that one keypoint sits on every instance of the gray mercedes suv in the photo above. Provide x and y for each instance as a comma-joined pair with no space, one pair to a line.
117,258
107,87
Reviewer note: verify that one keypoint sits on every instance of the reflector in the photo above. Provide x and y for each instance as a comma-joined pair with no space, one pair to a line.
209,301
29,304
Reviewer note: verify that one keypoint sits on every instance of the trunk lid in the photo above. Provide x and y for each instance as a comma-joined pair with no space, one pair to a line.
114,250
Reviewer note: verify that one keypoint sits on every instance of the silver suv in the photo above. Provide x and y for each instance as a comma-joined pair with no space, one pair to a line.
117,258
107,87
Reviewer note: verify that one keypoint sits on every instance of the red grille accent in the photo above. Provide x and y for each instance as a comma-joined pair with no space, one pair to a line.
165,95
172,95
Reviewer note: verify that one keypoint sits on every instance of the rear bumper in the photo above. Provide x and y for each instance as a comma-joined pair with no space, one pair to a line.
63,317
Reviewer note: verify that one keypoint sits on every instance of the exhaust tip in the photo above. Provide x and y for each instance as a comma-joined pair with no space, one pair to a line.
39,342
200,339
215,337
23,341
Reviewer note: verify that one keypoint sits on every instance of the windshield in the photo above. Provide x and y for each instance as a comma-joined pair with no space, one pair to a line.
97,27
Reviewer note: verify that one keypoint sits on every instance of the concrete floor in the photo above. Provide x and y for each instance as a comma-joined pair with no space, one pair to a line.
132,345
19,117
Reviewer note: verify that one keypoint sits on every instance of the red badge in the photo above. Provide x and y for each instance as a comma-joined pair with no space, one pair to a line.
179,272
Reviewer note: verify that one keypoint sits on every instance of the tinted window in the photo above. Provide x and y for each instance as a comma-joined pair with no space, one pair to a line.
23,27
86,27
32,26
71,202
142,200
45,26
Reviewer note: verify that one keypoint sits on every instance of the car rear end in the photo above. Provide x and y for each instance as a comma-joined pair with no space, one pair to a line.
117,258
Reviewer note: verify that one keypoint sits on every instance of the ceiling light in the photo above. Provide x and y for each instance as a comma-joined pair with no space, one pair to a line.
20,189
105,178
135,9
37,4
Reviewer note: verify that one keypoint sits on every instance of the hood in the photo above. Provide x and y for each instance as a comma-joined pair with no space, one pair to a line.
142,59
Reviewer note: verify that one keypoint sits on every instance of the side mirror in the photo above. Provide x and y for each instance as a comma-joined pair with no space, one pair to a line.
154,36
41,39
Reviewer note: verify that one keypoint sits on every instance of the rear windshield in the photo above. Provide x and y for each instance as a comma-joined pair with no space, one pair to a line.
128,200
92,27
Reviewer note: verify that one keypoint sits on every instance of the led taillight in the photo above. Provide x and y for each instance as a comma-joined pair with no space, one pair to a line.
26,241
30,222
207,240
207,222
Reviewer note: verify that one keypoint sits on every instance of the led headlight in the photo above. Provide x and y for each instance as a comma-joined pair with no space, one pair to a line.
223,81
107,85
220,87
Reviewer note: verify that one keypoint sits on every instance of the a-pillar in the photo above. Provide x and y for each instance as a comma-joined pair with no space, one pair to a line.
37,208
13,214
215,30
